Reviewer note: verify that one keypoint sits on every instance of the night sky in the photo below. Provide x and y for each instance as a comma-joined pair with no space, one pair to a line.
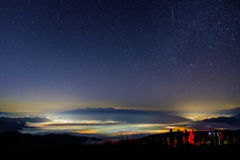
177,55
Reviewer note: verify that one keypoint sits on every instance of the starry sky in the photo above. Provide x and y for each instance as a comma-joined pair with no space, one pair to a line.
177,55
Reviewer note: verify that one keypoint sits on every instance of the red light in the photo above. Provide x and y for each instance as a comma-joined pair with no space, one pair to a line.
191,138
183,139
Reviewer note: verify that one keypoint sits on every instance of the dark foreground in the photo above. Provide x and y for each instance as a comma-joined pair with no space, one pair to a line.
14,145
120,152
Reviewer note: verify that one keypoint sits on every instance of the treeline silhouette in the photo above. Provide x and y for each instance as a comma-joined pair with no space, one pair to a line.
195,138
55,146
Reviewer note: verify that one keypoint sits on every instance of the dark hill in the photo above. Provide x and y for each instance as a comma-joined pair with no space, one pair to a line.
236,116
5,114
230,120
16,124
14,138
6,125
233,111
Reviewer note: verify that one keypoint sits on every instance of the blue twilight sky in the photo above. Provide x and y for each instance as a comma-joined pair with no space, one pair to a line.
58,55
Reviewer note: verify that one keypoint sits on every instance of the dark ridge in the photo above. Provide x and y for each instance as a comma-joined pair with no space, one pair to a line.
6,125
15,138
230,120
5,113
236,116
17,124
233,111
25,120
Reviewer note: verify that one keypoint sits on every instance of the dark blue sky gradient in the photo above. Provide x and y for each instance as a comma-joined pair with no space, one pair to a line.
180,55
